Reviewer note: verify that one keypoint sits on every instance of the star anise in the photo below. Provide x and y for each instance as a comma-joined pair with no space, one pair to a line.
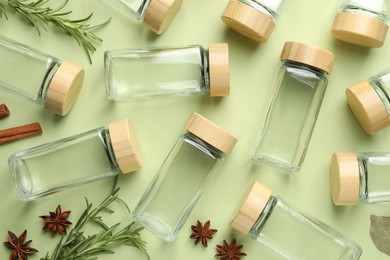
56,221
229,251
202,233
20,249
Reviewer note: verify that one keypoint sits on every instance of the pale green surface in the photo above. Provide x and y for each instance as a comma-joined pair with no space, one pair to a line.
158,124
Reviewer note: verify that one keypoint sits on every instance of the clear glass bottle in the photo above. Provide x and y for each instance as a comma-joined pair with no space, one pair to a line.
369,102
157,15
164,72
184,175
362,22
39,77
287,231
292,113
76,160
255,19
360,177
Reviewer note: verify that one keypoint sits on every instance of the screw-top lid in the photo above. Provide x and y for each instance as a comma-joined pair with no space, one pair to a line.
160,14
125,146
309,55
250,208
219,69
344,179
210,133
359,29
248,21
367,107
64,88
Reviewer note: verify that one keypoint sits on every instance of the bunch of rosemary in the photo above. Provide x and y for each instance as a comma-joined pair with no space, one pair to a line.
76,246
38,15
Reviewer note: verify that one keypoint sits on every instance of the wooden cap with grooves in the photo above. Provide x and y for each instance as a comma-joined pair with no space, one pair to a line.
125,146
344,179
309,55
219,69
250,208
64,88
367,107
359,29
248,21
160,14
210,133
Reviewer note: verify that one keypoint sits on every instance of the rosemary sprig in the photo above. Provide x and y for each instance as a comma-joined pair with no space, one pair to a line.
38,15
76,246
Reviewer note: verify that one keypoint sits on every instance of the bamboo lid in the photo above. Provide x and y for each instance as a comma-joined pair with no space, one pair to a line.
210,133
367,107
125,146
219,69
248,21
344,179
250,208
309,55
359,30
160,14
64,88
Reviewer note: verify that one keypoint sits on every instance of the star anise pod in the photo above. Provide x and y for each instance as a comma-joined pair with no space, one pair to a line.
230,251
20,248
56,221
202,233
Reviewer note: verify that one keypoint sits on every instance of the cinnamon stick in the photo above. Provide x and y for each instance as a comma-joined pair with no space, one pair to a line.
4,112
19,132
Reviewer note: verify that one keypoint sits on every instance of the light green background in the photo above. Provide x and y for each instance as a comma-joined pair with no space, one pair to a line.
159,123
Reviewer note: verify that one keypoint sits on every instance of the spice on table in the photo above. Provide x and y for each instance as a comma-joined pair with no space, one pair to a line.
56,221
4,111
230,251
20,248
20,132
202,233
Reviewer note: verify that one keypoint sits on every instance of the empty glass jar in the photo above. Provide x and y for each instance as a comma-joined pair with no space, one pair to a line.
289,232
165,72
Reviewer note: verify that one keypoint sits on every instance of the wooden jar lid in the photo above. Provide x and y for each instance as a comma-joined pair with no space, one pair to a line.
344,179
359,30
250,208
125,146
248,21
219,69
210,133
309,55
367,107
160,14
64,88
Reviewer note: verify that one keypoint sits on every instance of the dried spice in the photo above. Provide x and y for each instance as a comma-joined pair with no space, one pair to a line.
4,111
56,221
202,233
19,247
20,132
380,233
230,251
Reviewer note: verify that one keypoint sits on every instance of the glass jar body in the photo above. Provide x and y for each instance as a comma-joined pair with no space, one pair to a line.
269,8
24,71
381,84
59,165
136,8
291,116
294,235
377,9
178,185
156,73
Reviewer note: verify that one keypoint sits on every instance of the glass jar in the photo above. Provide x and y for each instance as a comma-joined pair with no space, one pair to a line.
45,81
292,113
362,22
255,19
360,177
184,175
76,160
369,102
287,231
164,72
157,15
